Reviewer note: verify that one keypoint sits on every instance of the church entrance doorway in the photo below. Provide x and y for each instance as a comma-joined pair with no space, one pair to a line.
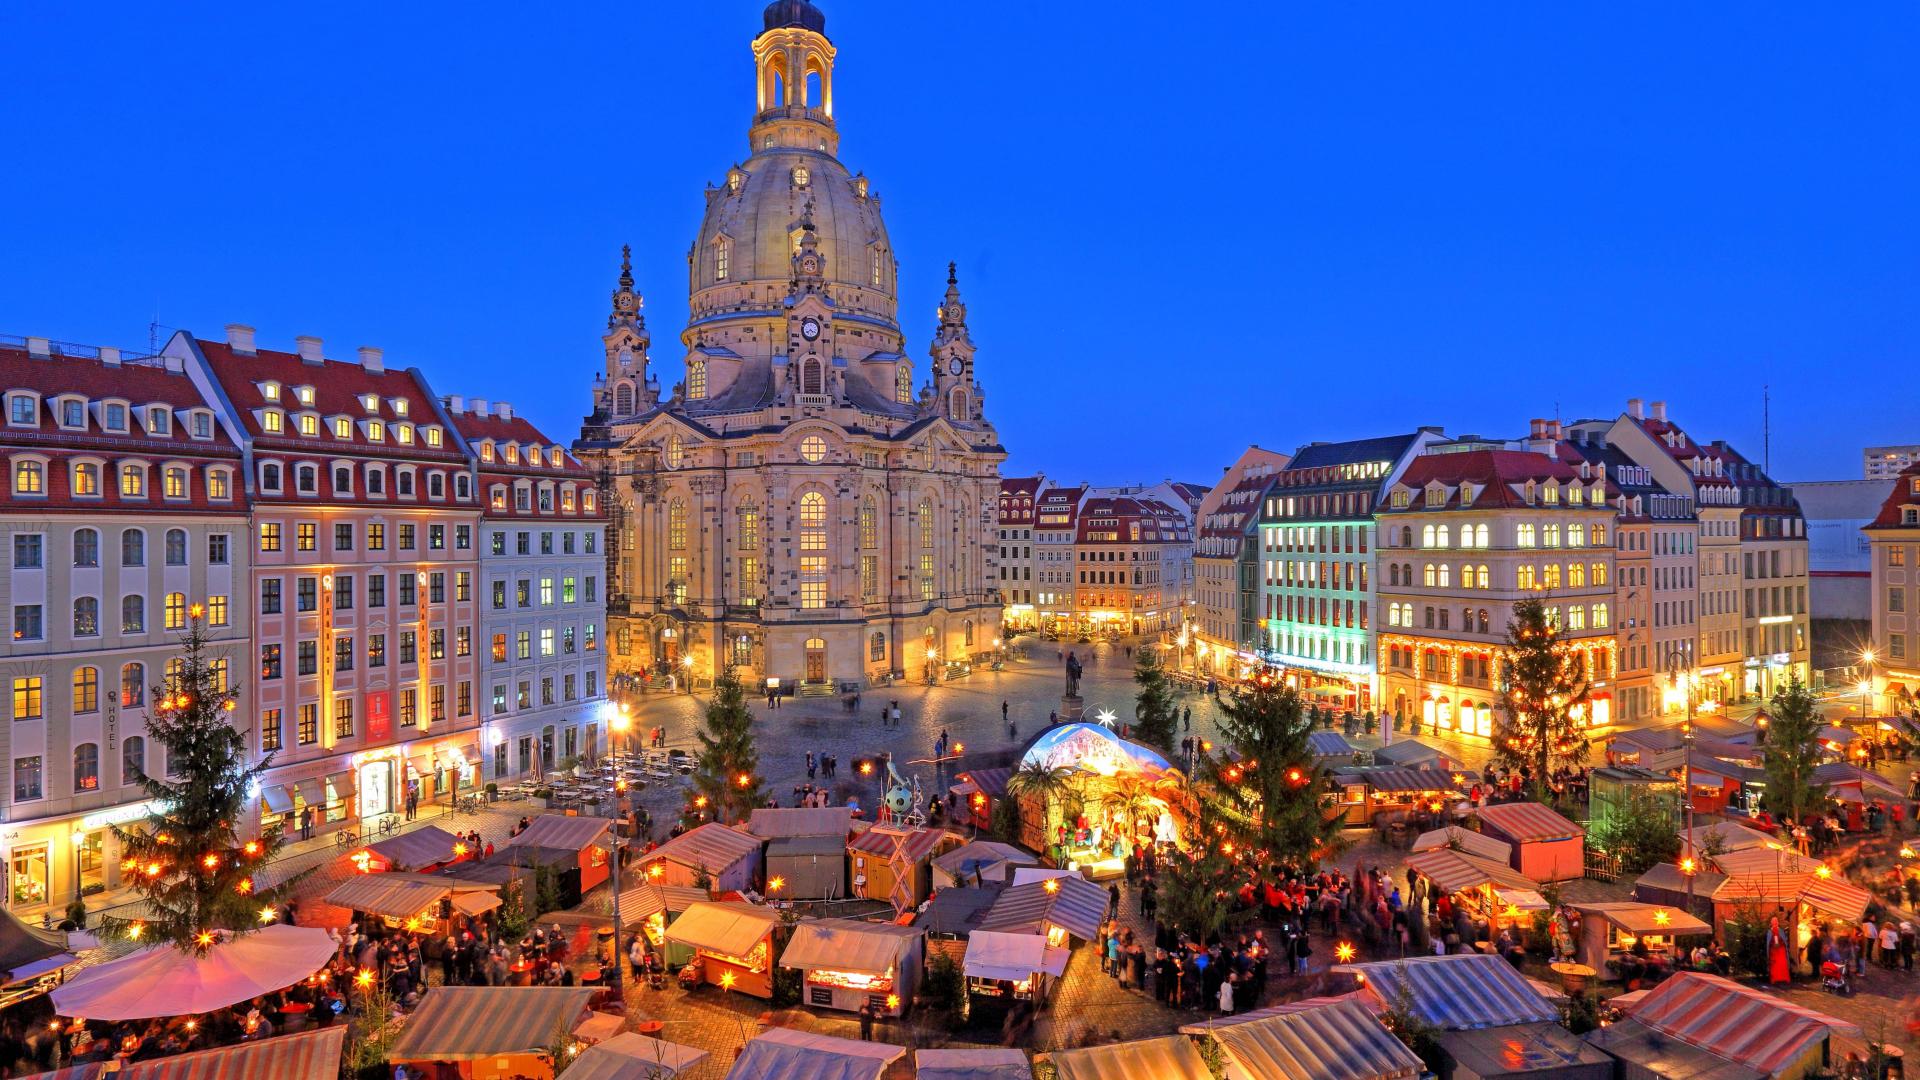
816,660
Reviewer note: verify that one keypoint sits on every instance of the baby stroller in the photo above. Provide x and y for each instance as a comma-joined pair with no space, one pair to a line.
1834,980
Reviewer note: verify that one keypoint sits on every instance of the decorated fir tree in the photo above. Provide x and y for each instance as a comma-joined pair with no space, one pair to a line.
1544,682
1155,716
1793,752
726,779
186,859
1265,789
1198,879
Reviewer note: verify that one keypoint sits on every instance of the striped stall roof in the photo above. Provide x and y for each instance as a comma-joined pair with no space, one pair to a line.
919,843
561,832
713,846
1460,992
1077,906
1329,744
1734,1022
1762,888
1392,778
381,894
1341,1040
1171,1057
785,1054
1473,843
637,905
998,1063
1842,899
310,1055
428,845
1764,860
472,1023
1529,821
1456,872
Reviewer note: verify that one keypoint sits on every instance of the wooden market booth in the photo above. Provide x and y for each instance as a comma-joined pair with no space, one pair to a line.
850,964
1774,1037
1464,839
731,859
488,1032
881,857
1546,846
1609,932
732,941
589,838
1007,970
403,901
1375,795
1127,794
649,908
807,867
1058,909
951,915
423,850
1490,892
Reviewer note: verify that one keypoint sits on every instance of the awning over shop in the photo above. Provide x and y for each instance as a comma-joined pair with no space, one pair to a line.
27,951
475,903
340,786
277,799
421,762
1528,822
310,791
1400,780
1522,899
849,945
1013,957
1457,872
1646,918
731,927
309,1055
164,981
567,833
1838,898
638,905
469,752
383,895
786,1054
473,1023
1171,1057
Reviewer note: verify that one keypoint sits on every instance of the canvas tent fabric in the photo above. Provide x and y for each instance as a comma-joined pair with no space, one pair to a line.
1838,898
1772,860
637,905
1090,747
389,897
1392,778
26,951
1076,905
163,981
1013,957
1638,918
473,1023
713,846
775,823
1170,1057
1412,753
731,927
1341,1040
999,1063
1456,871
786,1054
1329,744
918,847
1473,843
632,1056
1527,822
1734,1022
988,857
426,846
1459,992
1666,877
848,945
475,902
1658,1054
309,1055
562,832
1535,1050
1727,836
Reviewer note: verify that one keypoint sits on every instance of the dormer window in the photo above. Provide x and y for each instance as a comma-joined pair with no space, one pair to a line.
1552,495
554,457
23,409
271,422
270,391
73,414
202,424
305,394
309,425
342,428
376,431
1466,494
370,402
403,434
159,421
566,500
513,454
587,501
486,451
399,406
115,417
1576,496
432,435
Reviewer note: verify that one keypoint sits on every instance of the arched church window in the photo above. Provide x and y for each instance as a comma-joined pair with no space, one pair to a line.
957,404
676,452
623,399
811,376
677,525
696,379
722,259
813,547
903,384
876,268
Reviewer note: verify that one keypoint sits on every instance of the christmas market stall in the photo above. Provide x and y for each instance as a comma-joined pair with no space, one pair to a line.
1635,942
1491,894
1331,748
883,858
423,850
589,838
732,942
1618,789
1171,1057
1414,754
1543,1051
974,793
1118,793
996,1063
649,908
311,1055
489,1032
1007,970
728,859
1546,846
780,822
807,867
633,1056
1667,884
412,901
848,964
1463,839
1056,908
951,915
1773,1037
32,960
162,981
979,862
780,1053
1376,796
1324,1038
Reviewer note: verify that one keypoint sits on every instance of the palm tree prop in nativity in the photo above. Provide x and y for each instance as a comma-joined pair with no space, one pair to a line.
186,859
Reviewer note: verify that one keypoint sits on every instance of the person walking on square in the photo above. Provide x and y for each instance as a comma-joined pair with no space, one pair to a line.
306,823
810,765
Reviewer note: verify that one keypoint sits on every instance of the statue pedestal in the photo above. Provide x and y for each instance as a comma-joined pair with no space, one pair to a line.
1072,707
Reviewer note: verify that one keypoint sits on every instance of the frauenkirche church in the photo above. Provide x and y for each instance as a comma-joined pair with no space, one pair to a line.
796,507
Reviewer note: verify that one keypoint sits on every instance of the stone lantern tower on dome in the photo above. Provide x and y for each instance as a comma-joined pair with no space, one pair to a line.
794,508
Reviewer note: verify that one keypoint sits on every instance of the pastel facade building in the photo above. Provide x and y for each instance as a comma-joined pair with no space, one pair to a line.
1056,525
1226,563
1016,511
1130,557
124,514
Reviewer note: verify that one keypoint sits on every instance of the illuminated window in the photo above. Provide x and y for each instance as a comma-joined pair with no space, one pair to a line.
1550,536
133,481
1523,535
1599,536
869,523
1523,577
677,525
813,538
176,611
696,379
1576,535
343,428
926,523
1599,573
86,479
1600,617
175,480
676,452
305,395
309,424
1576,575
432,436
813,449
722,259
29,478
270,422
903,384
270,391
512,452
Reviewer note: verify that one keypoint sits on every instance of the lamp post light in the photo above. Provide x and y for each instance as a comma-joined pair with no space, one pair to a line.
1681,676
686,671
1866,682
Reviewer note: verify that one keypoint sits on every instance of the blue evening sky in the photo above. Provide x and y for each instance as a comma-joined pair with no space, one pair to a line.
1181,227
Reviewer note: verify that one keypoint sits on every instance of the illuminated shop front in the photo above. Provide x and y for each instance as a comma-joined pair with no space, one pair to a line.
732,943
848,965
1448,687
1119,793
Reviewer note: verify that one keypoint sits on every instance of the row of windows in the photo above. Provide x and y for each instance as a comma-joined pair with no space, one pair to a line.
73,413
309,424
29,549
29,782
525,591
29,691
568,690
307,591
307,716
29,621
589,542
306,481
306,536
1472,621
133,479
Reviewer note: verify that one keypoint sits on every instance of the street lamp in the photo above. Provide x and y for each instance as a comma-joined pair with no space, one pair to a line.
1866,683
1680,675
622,725
686,669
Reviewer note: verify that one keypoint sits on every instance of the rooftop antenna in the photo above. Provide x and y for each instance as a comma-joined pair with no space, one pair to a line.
1766,429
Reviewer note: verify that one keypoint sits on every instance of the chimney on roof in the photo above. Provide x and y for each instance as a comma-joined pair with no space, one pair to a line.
109,356
506,411
1633,408
1659,410
455,403
479,406
372,359
40,347
309,348
240,338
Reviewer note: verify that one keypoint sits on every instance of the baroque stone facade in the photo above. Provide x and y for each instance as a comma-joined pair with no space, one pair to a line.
795,507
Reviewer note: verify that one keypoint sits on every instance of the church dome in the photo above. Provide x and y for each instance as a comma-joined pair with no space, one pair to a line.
785,13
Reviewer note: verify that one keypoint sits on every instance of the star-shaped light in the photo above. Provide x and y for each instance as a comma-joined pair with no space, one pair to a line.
1106,716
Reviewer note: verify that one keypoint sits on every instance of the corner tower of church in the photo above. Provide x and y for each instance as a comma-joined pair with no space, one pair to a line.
797,506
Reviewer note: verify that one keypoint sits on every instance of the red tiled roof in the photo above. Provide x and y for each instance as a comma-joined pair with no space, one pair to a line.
1905,493
337,388
501,430
1018,504
1159,522
1497,476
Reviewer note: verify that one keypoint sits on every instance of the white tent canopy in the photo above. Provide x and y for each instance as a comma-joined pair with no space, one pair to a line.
995,955
631,1056
163,981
